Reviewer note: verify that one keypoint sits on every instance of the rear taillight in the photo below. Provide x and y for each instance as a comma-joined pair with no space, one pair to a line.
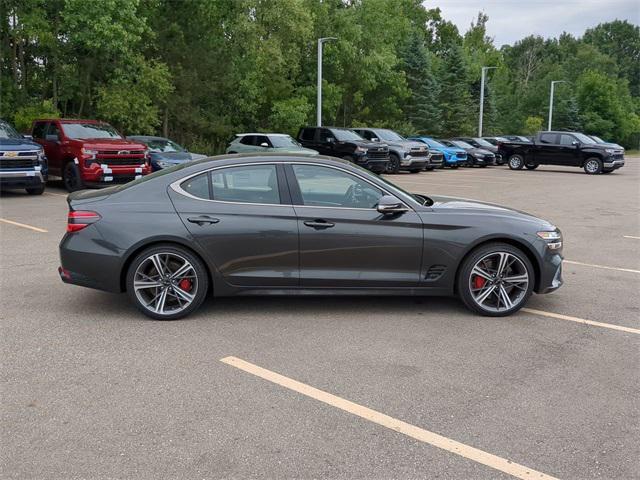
78,219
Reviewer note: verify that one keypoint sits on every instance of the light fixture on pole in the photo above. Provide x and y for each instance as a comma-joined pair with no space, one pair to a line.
319,105
484,73
553,83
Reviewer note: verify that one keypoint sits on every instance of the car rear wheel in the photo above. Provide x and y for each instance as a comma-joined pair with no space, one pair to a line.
593,166
496,280
71,177
39,190
516,162
394,163
167,282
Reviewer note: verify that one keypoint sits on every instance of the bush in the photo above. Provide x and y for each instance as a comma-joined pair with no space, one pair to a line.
25,115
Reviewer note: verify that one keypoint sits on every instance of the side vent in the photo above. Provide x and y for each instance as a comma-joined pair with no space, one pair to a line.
435,272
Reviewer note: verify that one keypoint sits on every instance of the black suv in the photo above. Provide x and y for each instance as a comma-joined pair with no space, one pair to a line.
346,144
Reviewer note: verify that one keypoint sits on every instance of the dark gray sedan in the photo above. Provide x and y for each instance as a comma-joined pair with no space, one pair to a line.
291,225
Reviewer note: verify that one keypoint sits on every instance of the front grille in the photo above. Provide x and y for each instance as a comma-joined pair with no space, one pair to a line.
436,158
419,153
618,156
461,155
27,153
18,163
122,161
380,155
120,152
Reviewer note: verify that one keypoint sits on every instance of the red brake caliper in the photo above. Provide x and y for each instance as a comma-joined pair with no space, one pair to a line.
185,284
478,281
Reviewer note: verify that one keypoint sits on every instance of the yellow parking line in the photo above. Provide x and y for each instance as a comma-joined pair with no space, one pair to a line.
602,266
452,446
631,236
17,224
582,320
55,194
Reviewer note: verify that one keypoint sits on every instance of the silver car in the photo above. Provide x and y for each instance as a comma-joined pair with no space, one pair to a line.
267,142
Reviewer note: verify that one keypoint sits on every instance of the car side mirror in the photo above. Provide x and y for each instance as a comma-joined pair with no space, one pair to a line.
331,140
28,137
51,138
575,143
264,144
375,139
390,205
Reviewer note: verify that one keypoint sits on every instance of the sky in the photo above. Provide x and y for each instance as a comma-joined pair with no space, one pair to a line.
511,20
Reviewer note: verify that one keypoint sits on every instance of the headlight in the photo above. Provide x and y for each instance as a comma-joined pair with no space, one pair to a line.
407,155
361,150
553,239
163,164
610,150
41,156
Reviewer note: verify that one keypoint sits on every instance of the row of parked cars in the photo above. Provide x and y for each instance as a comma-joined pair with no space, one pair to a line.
91,153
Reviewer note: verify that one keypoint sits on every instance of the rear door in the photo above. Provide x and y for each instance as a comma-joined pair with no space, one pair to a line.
53,148
546,150
344,241
242,217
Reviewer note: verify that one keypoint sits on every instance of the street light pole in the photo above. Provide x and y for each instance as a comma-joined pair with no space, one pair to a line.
319,104
553,83
484,73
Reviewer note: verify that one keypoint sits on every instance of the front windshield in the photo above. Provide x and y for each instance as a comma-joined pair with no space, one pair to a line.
483,142
433,143
389,135
598,139
345,135
163,145
583,138
461,144
7,131
90,130
284,141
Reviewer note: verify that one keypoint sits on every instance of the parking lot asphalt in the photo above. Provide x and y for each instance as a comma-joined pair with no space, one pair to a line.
92,389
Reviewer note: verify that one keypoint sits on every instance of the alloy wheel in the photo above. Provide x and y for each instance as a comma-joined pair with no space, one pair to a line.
499,282
592,166
515,162
165,283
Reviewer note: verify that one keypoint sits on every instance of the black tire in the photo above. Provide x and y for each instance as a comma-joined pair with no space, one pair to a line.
454,166
39,190
71,177
607,171
531,166
483,165
349,158
232,153
200,275
516,162
592,166
394,163
415,170
465,276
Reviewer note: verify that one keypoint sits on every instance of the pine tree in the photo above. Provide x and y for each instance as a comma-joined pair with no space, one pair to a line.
421,108
455,99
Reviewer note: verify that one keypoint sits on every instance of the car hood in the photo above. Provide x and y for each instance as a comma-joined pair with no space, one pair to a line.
449,150
109,144
479,151
406,144
367,144
449,204
172,157
17,144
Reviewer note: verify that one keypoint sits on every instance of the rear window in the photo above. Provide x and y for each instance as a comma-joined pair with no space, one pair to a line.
548,138
197,186
307,133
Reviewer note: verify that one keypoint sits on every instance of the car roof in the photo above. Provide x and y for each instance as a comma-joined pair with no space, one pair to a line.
262,133
69,120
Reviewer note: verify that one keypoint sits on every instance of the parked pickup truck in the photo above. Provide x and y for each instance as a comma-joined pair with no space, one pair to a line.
403,154
89,153
346,144
570,149
22,162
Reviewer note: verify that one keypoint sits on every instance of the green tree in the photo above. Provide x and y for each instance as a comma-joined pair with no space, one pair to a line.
455,99
532,125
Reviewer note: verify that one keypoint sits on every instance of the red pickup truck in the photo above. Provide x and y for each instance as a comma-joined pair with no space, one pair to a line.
90,153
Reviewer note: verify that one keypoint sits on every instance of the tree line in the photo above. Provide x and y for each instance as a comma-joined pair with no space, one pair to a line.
199,71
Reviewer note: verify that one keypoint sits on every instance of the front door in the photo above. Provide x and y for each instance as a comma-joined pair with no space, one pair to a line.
242,217
568,151
344,241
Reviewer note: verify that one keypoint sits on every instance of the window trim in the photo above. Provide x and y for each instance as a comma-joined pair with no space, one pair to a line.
284,185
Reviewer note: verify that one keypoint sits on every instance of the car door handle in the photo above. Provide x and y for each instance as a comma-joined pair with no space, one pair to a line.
203,220
319,224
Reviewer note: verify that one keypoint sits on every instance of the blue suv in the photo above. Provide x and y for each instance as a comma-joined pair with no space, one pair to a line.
22,162
453,156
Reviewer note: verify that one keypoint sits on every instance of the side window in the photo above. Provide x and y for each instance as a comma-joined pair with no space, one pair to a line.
260,139
369,135
328,187
39,129
247,140
308,133
250,184
53,130
197,186
548,138
567,139
325,135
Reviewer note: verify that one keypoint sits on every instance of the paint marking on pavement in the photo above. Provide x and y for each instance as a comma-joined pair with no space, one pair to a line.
602,266
466,451
631,236
582,320
55,194
17,224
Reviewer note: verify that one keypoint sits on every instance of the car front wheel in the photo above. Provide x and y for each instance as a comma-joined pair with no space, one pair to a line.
71,177
167,282
39,190
593,166
516,162
496,280
394,163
